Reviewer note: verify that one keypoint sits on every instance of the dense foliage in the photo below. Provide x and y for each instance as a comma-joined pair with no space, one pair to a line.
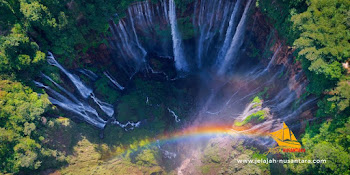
21,125
321,36
29,28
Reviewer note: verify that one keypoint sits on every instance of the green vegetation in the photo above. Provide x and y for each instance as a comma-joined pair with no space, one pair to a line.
324,42
69,28
221,154
328,143
21,129
262,94
117,152
257,102
28,29
135,107
323,46
18,53
280,13
256,117
319,30
106,91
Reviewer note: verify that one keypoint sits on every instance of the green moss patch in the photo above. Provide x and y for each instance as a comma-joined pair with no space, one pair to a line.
256,117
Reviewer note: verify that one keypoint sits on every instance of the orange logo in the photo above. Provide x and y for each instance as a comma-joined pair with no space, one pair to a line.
286,141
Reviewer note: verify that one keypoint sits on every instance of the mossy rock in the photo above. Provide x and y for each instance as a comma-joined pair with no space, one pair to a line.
256,117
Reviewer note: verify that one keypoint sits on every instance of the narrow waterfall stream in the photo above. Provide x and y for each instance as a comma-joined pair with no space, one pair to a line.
179,58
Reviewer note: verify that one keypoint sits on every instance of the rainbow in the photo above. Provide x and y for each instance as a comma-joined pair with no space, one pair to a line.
197,132
209,130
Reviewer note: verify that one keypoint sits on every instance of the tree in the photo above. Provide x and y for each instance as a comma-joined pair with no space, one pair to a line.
328,144
341,95
18,53
325,36
20,118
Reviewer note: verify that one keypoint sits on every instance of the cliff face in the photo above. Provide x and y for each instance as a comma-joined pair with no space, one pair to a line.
267,40
231,50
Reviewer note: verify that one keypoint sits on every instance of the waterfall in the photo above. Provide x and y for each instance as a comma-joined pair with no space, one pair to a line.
268,67
81,107
229,32
236,43
272,61
88,73
166,16
180,61
113,81
143,18
225,15
82,111
211,20
105,107
70,95
211,17
83,90
205,34
143,51
129,46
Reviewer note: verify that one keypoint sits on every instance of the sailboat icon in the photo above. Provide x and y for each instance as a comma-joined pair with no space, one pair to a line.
285,138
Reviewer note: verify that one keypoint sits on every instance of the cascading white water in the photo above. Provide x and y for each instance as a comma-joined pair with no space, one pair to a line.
237,41
147,19
113,81
229,32
70,95
143,51
142,18
165,8
82,111
127,126
81,108
88,74
268,67
211,16
179,57
205,34
83,90
272,61
105,107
